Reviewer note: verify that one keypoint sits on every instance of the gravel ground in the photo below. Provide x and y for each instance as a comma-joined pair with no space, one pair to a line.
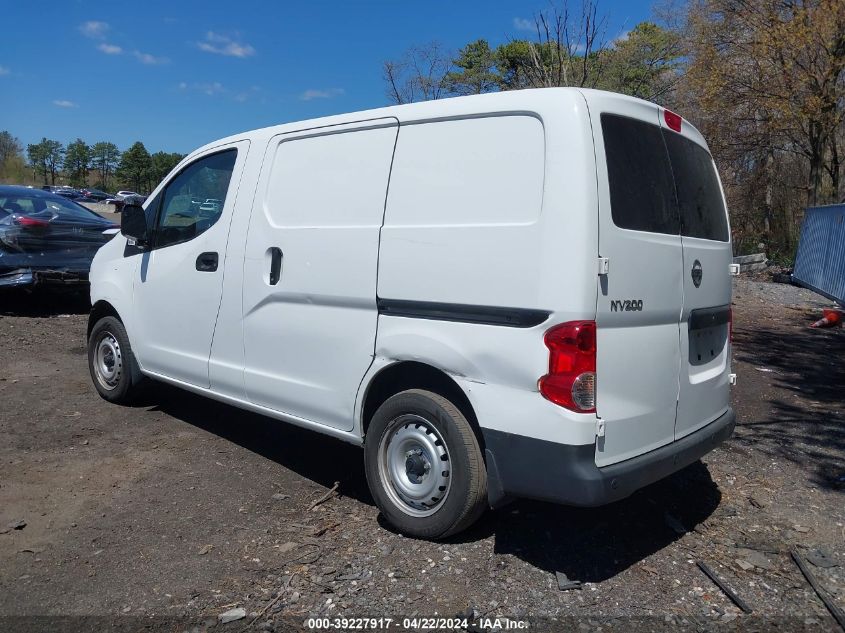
167,515
748,291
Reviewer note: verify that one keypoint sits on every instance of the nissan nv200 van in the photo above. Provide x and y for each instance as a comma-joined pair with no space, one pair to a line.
521,294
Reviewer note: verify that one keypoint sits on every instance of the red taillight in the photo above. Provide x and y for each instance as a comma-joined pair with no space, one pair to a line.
30,223
571,381
672,120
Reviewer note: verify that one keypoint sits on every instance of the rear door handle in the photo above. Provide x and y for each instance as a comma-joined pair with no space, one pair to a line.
207,262
275,265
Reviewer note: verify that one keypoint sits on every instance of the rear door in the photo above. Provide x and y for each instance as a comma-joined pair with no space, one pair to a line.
641,298
705,337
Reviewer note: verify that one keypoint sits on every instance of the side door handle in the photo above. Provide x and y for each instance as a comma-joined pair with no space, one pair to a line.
207,262
275,265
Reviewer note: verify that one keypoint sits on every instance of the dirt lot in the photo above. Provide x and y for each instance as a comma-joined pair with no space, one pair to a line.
183,509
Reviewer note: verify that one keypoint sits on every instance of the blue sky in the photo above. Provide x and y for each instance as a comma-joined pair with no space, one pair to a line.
179,74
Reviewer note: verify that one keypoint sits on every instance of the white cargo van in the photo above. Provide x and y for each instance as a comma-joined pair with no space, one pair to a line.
523,294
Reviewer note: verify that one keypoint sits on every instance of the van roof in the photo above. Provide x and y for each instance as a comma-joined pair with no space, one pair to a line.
528,100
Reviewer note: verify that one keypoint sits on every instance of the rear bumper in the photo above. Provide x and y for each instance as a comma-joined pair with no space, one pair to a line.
22,277
519,466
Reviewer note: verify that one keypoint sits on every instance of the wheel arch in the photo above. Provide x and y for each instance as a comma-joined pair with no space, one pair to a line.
100,309
407,374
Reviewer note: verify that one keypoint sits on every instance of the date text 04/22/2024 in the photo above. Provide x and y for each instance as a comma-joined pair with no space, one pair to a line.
415,623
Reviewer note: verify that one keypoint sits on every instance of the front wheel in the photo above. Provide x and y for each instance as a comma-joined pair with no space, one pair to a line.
112,364
424,465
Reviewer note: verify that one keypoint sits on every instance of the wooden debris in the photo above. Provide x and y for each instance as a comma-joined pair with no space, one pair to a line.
835,611
325,497
724,587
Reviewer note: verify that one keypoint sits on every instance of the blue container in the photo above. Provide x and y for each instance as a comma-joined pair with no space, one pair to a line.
820,261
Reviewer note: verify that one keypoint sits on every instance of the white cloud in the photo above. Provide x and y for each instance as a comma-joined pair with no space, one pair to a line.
94,29
524,24
210,88
624,35
64,103
224,45
4,71
314,93
109,49
150,60
246,95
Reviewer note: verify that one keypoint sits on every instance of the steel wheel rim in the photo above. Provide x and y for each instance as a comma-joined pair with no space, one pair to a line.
108,361
414,465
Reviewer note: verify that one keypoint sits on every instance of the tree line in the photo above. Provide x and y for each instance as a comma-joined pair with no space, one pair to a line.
763,81
78,164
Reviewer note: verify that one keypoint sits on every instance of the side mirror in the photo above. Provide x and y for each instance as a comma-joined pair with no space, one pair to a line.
133,224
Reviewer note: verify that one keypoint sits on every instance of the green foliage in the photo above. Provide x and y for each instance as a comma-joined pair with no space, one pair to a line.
476,74
162,164
76,162
135,167
10,146
45,157
512,61
38,159
104,158
644,64
12,165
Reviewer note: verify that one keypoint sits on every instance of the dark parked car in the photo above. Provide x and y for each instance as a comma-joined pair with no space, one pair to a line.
95,195
58,189
68,192
45,238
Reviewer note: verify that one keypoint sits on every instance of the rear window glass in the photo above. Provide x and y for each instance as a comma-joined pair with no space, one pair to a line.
699,197
641,188
45,206
661,182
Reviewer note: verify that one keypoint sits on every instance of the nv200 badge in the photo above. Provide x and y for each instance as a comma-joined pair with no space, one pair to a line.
626,305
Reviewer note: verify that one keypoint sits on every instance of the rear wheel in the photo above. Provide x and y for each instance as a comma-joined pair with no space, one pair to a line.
424,465
112,364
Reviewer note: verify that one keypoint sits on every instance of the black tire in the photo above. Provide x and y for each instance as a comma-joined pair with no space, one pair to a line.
466,498
127,382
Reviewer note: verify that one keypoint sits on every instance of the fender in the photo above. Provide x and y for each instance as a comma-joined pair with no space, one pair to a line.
112,279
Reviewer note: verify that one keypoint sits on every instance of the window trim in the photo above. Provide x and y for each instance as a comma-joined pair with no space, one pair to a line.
159,198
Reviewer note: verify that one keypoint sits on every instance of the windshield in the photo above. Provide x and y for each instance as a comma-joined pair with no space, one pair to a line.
53,208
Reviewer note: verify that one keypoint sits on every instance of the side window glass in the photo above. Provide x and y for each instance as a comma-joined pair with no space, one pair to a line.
193,201
151,209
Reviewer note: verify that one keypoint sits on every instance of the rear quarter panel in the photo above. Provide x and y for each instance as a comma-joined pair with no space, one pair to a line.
495,209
